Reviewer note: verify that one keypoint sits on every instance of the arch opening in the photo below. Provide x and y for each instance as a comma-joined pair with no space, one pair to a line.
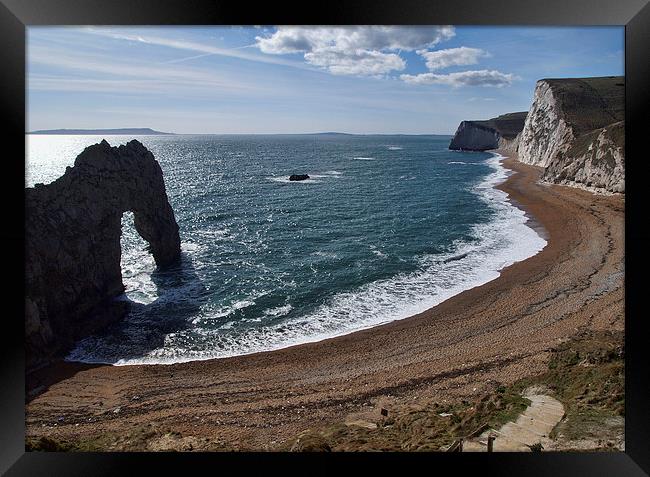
137,263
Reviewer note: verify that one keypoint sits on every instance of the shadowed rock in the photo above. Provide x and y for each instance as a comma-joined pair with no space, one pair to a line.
298,177
493,133
73,230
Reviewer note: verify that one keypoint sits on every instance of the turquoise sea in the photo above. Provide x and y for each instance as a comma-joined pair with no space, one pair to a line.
386,227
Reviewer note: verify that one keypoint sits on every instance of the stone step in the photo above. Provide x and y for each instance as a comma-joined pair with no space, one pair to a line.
531,427
520,434
538,422
506,443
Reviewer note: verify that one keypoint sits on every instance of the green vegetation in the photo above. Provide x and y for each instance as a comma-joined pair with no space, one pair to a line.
507,125
590,103
587,375
428,429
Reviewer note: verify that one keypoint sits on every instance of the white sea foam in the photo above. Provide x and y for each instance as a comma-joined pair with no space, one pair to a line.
213,315
242,304
394,148
278,311
190,247
210,315
324,175
320,253
213,233
365,158
503,241
137,266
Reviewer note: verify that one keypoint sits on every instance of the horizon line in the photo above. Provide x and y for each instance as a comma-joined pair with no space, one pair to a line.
53,132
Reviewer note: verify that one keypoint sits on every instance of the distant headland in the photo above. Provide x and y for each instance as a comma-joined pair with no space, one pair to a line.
120,131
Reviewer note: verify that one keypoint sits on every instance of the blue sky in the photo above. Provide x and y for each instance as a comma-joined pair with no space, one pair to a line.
257,79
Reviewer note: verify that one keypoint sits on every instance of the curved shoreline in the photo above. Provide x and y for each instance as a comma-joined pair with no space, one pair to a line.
510,236
495,333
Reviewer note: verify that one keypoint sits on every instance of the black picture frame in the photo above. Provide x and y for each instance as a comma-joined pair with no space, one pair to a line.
16,15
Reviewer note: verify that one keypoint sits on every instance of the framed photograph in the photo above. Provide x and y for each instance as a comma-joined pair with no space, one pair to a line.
279,236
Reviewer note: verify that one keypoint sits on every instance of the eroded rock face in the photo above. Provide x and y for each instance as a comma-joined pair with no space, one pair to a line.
73,229
509,146
545,133
575,130
471,136
500,132
596,162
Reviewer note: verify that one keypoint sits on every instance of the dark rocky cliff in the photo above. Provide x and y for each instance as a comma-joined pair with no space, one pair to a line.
73,229
490,134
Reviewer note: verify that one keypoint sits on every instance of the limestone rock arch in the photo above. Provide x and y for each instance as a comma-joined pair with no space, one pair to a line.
73,230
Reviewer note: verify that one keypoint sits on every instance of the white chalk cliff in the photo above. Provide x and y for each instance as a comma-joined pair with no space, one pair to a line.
575,129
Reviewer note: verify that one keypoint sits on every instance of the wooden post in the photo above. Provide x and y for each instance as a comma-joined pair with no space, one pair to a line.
491,438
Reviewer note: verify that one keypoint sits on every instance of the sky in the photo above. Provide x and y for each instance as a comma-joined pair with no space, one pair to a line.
283,80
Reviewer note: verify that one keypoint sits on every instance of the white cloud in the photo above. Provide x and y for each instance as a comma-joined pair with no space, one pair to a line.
440,59
309,39
491,78
358,62
461,56
362,50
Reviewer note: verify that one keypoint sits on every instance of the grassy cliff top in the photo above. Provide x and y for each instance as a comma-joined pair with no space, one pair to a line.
590,103
507,125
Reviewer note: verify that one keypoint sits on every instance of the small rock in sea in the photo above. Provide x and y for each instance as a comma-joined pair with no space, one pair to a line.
298,177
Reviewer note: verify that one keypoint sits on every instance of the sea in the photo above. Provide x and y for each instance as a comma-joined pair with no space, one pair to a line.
384,228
